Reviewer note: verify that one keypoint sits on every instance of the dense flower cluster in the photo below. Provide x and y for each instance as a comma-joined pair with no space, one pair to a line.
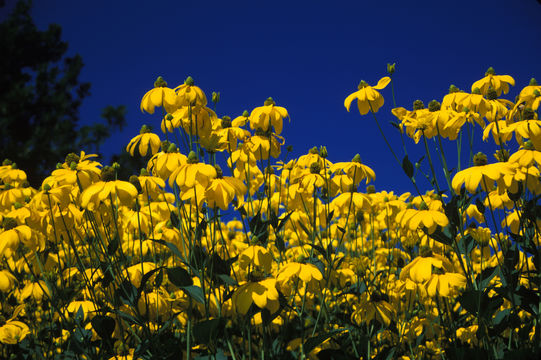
315,264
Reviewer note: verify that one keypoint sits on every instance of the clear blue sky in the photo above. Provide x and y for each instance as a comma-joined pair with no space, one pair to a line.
307,55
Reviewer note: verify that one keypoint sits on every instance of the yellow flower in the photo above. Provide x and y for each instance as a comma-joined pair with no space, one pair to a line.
7,281
222,190
268,115
193,173
13,236
263,294
421,268
526,129
414,219
161,95
373,307
142,141
481,174
255,255
12,332
294,270
497,82
354,169
34,290
119,190
368,99
164,163
445,285
88,307
189,94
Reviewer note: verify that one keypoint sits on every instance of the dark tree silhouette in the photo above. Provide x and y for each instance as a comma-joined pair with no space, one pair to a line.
40,96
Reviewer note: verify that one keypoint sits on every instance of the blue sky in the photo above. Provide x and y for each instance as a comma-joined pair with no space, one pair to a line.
307,55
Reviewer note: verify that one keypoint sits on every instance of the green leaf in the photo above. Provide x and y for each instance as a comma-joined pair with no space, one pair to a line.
283,221
314,341
195,292
104,326
113,245
179,277
407,166
128,293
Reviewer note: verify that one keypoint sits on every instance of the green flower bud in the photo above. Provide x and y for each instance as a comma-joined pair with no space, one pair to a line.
73,166
58,166
269,101
115,166
314,150
356,158
362,84
479,159
171,148
6,162
9,223
226,122
144,130
245,113
192,158
533,82
391,68
189,81
370,189
418,105
323,152
144,172
502,155
434,106
160,82
490,71
215,97
108,174
219,172
168,117
453,89
165,145
315,168
46,187
72,157
492,94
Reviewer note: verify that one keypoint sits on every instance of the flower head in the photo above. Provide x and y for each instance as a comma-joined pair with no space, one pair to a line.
368,99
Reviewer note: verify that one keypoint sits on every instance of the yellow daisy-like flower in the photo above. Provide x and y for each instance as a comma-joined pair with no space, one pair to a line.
414,219
161,95
445,285
143,141
117,190
222,190
268,115
368,99
497,82
263,294
255,255
189,94
12,332
294,270
481,174
527,129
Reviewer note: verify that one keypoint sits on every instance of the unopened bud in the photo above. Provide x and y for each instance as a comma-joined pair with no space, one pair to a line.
323,152
391,68
160,82
189,81
215,97
418,105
